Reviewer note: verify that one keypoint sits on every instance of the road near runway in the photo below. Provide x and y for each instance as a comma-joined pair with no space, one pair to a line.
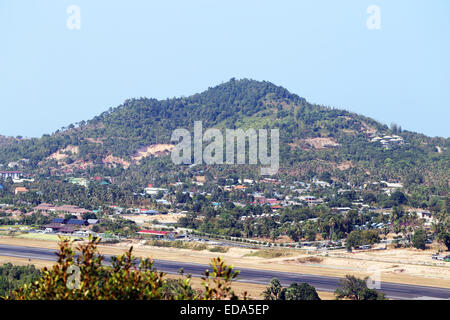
321,283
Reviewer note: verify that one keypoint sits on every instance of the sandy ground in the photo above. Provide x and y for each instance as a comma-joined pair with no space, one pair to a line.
164,218
399,265
114,161
60,154
153,150
24,262
320,143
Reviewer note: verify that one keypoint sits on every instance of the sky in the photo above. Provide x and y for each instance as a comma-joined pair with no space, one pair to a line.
392,64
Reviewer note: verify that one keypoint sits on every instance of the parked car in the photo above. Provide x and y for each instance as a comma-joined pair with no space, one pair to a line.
440,258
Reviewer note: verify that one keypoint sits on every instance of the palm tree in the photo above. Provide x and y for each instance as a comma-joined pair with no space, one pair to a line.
331,224
386,231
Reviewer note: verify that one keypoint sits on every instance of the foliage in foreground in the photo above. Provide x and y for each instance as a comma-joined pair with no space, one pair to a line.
295,291
13,277
356,289
85,277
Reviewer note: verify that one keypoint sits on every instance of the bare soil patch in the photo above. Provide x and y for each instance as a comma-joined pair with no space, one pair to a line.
155,150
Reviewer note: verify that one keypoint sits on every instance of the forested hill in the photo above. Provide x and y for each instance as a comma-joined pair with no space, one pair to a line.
6,140
312,137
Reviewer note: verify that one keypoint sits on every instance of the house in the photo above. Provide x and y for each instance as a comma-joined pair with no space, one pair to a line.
146,211
13,164
162,201
53,227
59,221
310,200
270,180
154,191
247,181
22,180
393,185
376,139
200,179
45,207
10,174
77,222
425,215
79,181
20,190
259,199
341,209
67,229
388,141
159,234
320,183
66,209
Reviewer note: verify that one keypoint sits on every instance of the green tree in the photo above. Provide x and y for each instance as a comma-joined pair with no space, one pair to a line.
295,291
12,277
444,237
353,240
419,239
356,289
399,198
302,291
274,291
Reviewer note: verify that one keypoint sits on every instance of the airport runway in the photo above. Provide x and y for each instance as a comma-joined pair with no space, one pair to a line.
321,283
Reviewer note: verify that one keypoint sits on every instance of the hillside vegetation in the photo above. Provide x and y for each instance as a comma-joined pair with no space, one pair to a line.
313,139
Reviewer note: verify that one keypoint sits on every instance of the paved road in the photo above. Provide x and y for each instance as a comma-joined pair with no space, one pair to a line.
321,283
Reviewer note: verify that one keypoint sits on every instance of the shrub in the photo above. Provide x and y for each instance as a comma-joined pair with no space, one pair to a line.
13,277
295,291
419,239
219,249
268,254
85,278
356,289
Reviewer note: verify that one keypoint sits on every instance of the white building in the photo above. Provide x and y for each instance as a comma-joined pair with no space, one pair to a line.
10,174
154,191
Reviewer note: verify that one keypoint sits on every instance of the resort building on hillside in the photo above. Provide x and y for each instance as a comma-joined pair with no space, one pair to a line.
74,210
154,191
10,174
20,190
79,181
389,141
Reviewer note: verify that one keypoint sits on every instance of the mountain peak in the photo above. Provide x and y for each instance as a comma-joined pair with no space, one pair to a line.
249,89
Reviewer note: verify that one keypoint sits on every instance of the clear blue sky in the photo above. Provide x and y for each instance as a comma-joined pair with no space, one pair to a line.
322,50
